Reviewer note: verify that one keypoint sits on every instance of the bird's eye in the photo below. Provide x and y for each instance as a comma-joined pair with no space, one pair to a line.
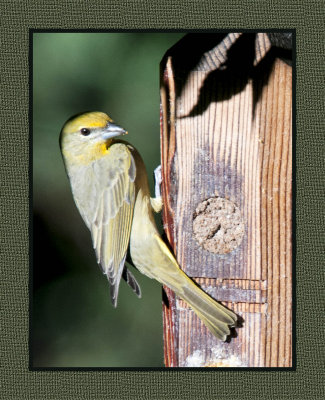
85,131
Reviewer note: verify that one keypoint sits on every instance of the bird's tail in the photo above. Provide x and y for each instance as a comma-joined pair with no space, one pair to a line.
215,316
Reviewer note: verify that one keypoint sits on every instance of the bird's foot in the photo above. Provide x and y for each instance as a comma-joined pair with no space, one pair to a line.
156,202
158,181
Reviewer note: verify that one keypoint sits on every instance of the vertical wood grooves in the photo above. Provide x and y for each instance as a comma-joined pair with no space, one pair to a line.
235,144
168,145
262,139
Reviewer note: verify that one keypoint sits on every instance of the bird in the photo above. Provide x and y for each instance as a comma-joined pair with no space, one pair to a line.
110,188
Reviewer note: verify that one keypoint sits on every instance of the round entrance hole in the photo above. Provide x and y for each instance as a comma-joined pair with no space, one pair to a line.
218,225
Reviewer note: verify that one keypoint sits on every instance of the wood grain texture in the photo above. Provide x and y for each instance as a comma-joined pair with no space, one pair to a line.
226,130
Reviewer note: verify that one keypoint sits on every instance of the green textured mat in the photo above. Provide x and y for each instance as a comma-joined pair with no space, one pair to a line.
17,382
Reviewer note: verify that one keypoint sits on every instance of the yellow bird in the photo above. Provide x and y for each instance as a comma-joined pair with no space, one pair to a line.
110,188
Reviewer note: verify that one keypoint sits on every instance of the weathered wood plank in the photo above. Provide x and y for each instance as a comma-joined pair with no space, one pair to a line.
226,133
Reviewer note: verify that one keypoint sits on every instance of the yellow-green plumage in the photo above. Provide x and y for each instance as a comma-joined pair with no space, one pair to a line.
110,188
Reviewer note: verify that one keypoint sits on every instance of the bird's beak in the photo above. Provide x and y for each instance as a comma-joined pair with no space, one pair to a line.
113,130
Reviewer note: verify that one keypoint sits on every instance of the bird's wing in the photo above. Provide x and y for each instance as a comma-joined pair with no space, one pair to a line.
111,220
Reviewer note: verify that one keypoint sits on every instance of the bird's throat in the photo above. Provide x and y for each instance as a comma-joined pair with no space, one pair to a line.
84,155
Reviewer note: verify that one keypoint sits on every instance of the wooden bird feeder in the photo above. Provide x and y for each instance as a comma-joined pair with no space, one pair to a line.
226,140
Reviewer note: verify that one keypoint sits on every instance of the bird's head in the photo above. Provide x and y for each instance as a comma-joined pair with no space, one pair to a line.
87,136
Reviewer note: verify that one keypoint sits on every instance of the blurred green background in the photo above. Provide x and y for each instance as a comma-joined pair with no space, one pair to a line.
73,321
